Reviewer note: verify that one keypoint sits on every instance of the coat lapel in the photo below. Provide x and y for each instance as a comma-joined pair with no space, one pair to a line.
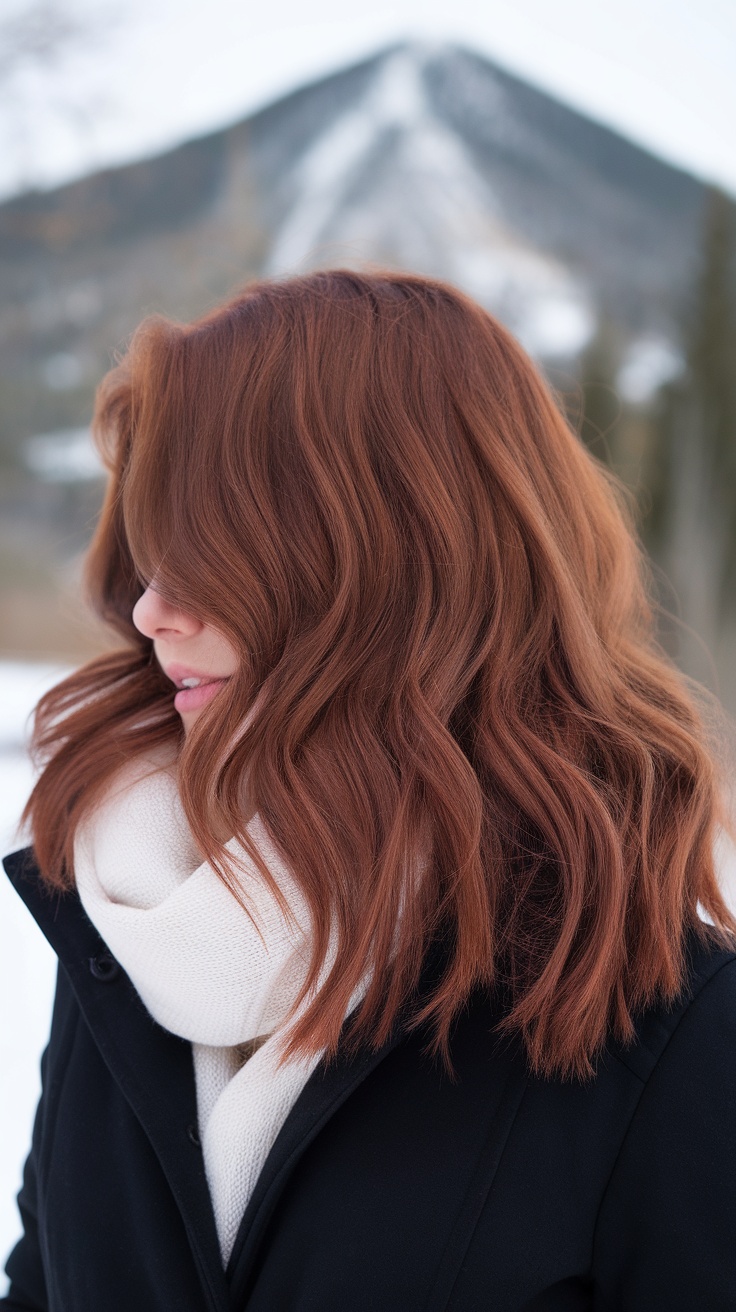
152,1067
324,1093
326,1090
480,1184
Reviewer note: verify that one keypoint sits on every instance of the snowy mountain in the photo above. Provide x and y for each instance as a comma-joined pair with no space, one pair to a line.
390,176
433,159
421,157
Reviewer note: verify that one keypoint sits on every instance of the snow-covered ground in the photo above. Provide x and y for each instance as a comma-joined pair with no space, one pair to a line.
27,964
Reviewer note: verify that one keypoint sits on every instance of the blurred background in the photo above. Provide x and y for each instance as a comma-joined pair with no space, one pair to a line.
571,166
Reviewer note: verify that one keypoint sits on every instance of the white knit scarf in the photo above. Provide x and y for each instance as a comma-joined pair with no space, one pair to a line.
202,968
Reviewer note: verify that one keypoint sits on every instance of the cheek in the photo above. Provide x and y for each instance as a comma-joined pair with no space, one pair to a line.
224,654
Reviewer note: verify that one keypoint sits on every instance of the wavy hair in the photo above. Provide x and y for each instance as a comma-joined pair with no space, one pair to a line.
446,633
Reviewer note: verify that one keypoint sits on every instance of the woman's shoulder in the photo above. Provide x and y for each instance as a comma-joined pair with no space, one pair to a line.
705,1020
664,1232
698,1023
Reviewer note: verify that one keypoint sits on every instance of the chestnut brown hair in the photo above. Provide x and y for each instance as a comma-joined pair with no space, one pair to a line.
446,631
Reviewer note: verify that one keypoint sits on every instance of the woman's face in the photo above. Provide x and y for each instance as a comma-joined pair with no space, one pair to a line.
196,657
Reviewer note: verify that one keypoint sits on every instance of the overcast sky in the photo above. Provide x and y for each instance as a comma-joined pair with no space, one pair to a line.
149,73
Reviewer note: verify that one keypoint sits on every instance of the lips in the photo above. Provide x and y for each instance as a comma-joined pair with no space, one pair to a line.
190,699
179,673
190,696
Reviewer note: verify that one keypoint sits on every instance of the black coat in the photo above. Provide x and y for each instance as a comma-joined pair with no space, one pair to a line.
390,1188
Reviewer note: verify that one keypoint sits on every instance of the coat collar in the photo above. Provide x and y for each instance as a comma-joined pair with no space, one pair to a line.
131,1042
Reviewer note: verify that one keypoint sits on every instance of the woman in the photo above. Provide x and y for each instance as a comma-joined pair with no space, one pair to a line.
394,972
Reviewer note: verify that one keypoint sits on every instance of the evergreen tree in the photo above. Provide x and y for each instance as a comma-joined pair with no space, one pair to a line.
600,408
711,357
689,471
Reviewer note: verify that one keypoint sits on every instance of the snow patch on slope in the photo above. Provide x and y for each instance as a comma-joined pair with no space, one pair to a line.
388,182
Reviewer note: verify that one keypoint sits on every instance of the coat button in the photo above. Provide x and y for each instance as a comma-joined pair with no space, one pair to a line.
104,966
193,1135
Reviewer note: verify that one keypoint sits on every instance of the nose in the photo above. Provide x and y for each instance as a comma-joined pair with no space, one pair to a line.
155,617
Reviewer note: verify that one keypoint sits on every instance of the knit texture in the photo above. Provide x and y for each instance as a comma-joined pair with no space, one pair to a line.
204,969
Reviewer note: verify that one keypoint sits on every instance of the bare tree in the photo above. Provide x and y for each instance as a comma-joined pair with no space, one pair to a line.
37,41
39,35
